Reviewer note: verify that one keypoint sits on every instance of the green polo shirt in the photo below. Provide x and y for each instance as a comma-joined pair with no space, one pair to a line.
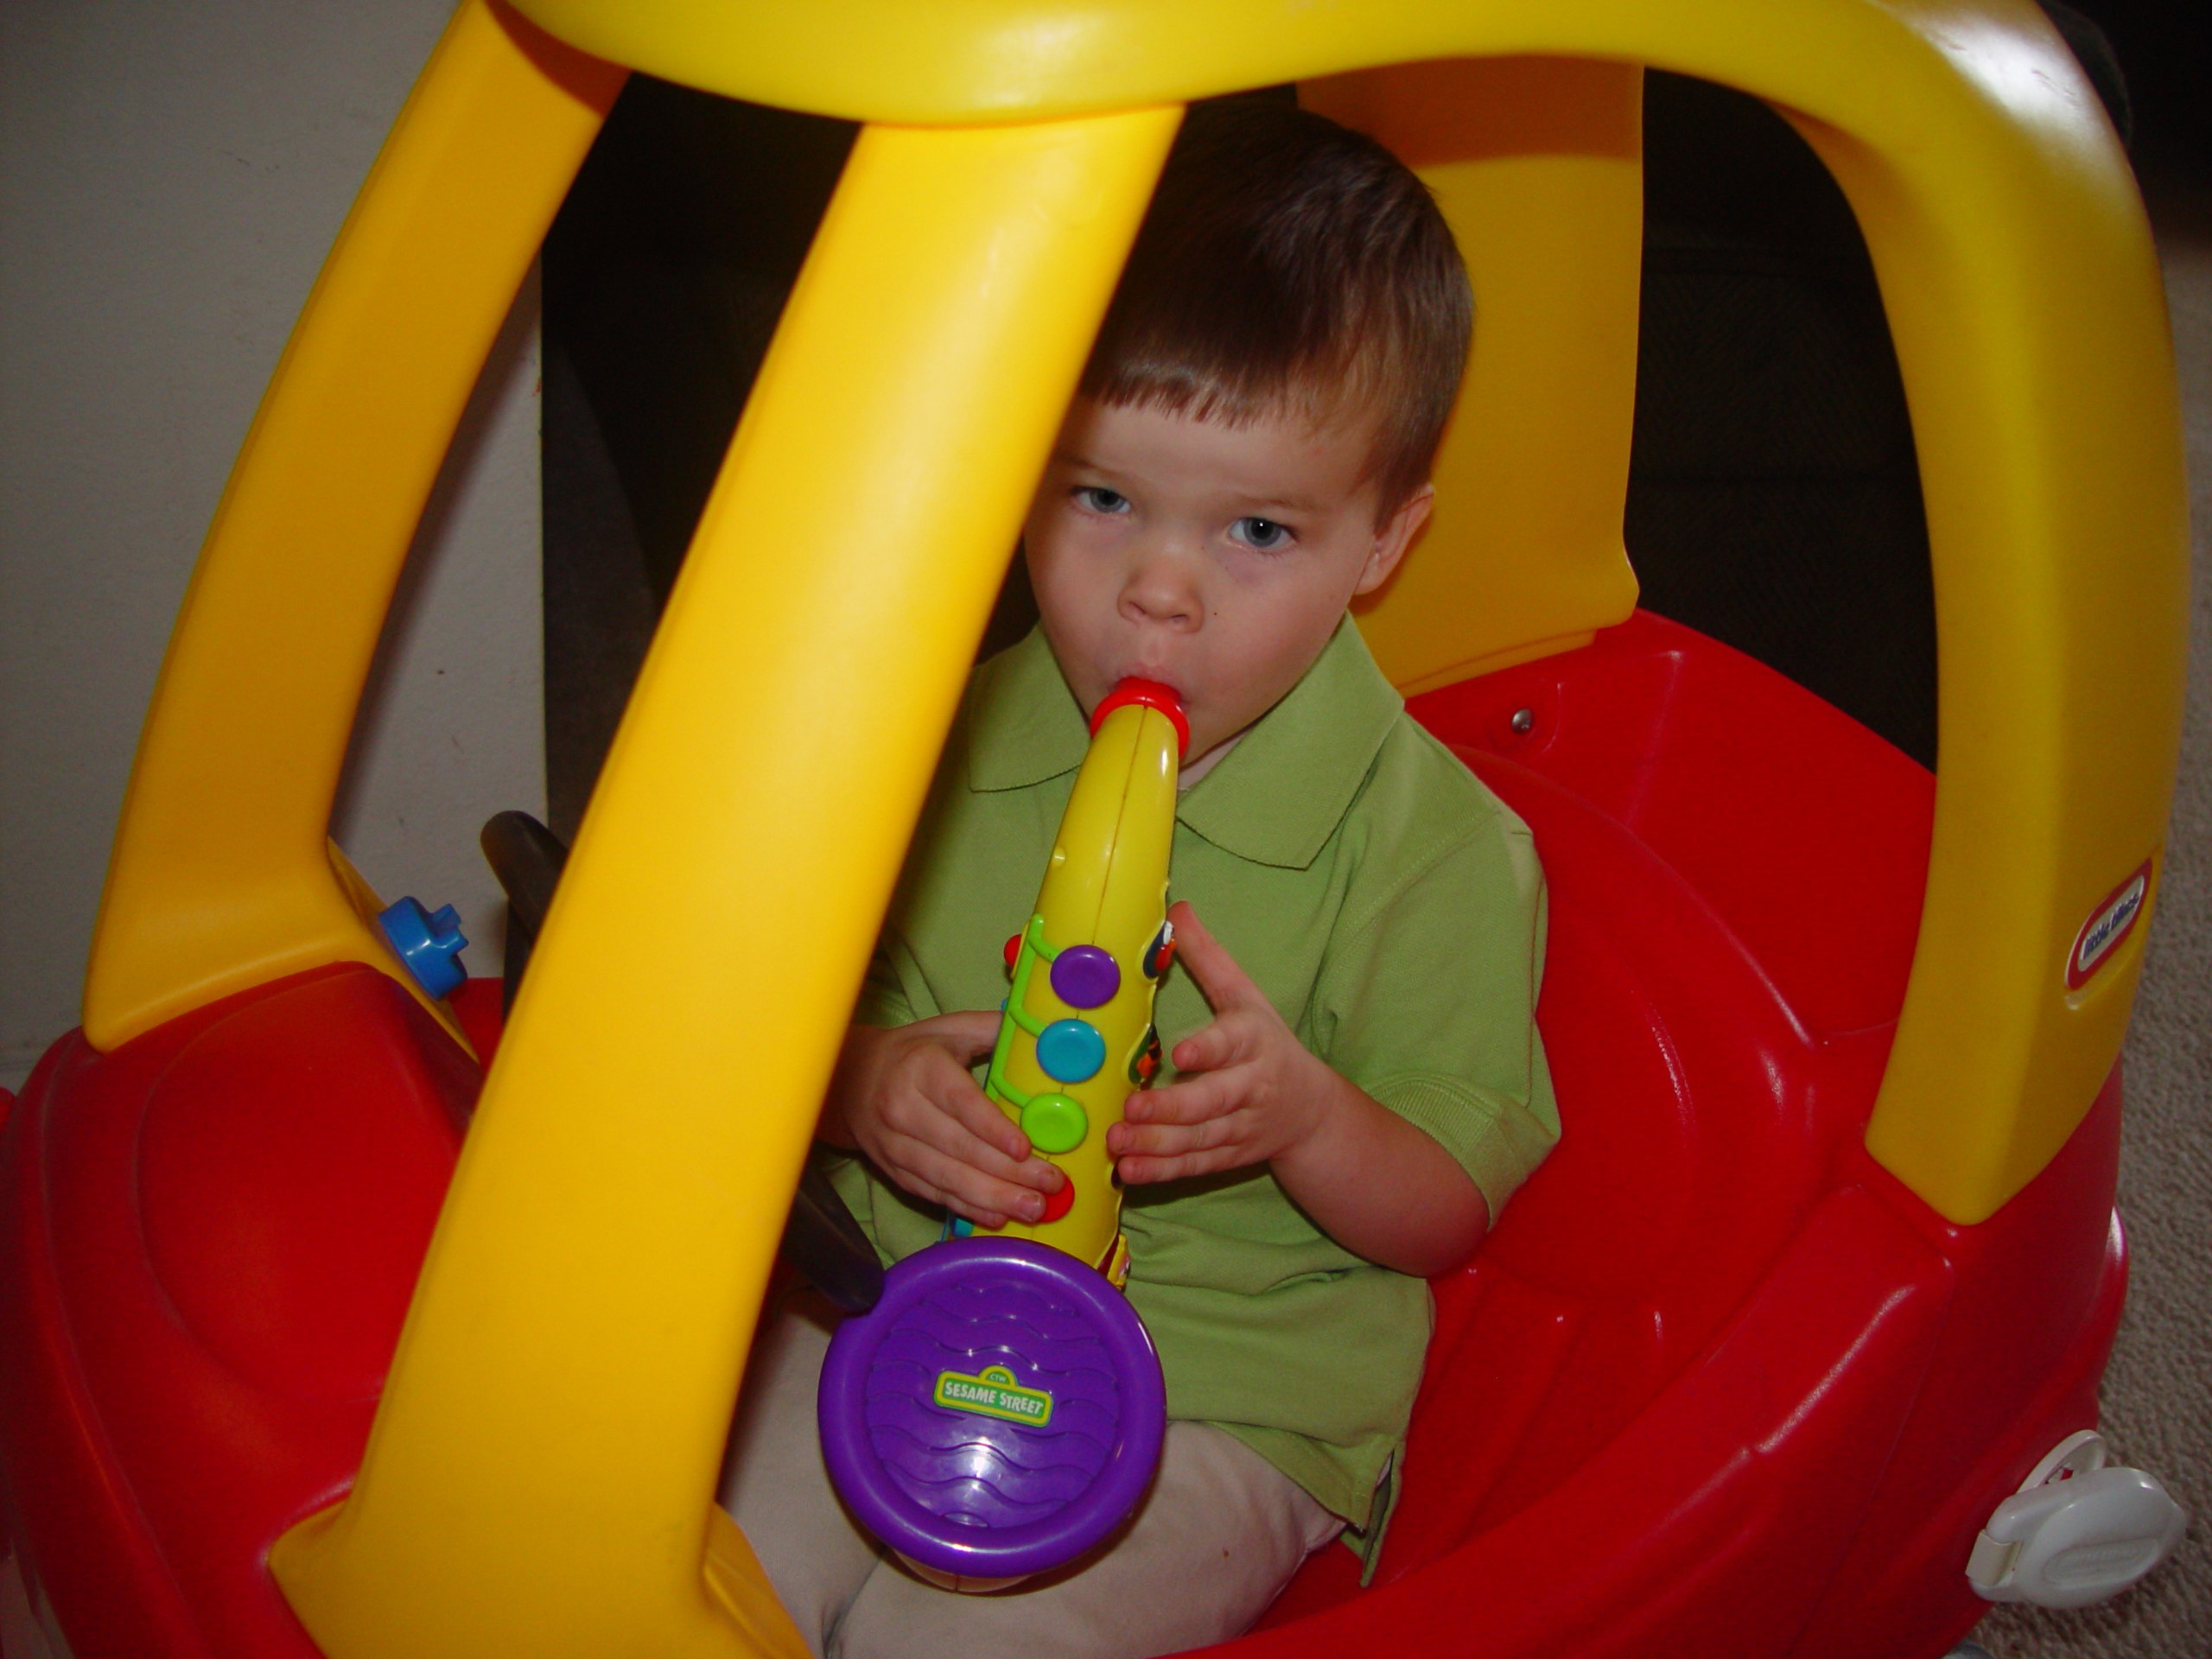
1391,908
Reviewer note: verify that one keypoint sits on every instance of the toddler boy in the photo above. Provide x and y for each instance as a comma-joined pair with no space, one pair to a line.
1357,1082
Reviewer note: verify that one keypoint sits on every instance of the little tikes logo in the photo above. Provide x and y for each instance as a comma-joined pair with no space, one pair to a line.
994,1394
2111,921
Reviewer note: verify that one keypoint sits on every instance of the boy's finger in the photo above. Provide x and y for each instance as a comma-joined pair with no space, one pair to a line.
970,1031
1173,1140
962,1186
958,1140
944,1091
1225,984
973,1112
1140,1171
976,1132
1192,1101
933,1116
1221,1043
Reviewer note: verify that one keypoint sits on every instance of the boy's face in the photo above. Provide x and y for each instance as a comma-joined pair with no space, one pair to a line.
1215,559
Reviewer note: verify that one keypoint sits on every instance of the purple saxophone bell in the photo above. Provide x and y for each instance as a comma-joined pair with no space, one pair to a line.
998,1413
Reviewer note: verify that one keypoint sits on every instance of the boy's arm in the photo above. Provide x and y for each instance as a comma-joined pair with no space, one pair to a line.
1252,1093
1383,1188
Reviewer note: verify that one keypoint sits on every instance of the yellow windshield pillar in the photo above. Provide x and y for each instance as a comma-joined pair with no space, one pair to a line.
222,877
540,1479
2022,293
1538,165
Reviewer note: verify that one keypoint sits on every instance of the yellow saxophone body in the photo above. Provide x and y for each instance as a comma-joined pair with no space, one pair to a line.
1077,1036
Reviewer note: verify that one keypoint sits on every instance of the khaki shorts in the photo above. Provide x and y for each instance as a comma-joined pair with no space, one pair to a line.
1215,1539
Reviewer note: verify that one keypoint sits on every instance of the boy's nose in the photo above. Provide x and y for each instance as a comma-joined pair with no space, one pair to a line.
1162,589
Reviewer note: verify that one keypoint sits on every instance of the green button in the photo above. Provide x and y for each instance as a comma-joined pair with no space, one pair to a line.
1055,1123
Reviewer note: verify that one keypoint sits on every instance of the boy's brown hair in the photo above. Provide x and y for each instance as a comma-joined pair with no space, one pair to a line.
1290,265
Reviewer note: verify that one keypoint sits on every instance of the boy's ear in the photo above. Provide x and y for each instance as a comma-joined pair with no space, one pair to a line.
1392,540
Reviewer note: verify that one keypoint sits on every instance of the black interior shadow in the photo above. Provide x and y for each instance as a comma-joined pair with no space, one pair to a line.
1774,496
664,275
1773,501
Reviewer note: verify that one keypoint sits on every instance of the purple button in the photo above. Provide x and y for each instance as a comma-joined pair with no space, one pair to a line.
1084,976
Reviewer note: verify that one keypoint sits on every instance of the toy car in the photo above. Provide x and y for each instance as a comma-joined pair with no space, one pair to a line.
340,1320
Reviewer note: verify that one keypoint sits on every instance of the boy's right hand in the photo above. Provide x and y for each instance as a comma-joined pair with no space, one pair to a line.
904,1098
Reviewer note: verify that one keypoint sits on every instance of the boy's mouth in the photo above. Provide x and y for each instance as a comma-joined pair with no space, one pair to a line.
1157,676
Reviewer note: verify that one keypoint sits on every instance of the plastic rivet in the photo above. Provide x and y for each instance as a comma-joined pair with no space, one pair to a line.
1160,955
1144,1060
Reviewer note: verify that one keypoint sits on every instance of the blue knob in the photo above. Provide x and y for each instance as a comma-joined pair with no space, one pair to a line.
1070,1051
428,941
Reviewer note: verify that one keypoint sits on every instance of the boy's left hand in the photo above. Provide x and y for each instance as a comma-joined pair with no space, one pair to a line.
1249,1091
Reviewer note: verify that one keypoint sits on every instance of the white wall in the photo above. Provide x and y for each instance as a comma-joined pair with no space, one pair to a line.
170,179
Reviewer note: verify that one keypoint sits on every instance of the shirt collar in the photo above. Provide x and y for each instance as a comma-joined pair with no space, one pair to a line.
1275,798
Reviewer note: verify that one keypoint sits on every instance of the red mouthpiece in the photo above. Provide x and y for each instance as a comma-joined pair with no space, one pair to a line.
1150,694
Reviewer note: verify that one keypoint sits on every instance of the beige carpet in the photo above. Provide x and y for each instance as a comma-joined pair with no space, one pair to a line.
2158,1393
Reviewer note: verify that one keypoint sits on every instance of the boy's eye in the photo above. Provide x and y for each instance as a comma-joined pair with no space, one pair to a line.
1096,497
1264,535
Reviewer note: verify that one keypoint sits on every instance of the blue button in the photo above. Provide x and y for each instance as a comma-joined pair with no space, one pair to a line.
1070,1051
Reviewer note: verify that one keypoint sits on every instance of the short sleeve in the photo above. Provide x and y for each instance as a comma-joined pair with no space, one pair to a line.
893,991
1428,1000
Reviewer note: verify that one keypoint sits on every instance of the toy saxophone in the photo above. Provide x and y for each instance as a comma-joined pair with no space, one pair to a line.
1077,1033
1000,1409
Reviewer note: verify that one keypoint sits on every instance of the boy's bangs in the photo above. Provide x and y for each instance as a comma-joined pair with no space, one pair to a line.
1317,395
1291,268
1346,389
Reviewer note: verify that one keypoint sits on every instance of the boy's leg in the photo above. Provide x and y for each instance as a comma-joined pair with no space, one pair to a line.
1215,1540
773,1482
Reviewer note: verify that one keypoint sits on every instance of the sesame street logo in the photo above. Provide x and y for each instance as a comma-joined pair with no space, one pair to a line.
994,1394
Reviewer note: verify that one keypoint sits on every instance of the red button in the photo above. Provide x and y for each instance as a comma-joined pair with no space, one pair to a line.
1013,947
1058,1203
